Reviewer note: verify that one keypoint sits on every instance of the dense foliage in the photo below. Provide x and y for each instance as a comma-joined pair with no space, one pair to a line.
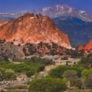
59,79
78,75
47,85
28,67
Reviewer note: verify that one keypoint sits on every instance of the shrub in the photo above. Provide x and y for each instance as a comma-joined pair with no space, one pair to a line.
47,85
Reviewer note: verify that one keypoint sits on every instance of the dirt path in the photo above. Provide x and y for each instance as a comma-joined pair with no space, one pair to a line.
46,71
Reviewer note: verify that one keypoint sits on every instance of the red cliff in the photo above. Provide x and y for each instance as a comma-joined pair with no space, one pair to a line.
87,47
32,28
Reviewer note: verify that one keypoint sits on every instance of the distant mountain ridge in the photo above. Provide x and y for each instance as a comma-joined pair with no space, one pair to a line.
79,31
10,16
53,12
7,16
65,10
76,23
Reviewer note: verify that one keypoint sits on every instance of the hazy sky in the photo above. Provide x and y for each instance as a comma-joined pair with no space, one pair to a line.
23,5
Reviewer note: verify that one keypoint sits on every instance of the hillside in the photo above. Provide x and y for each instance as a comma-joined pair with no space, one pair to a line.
31,28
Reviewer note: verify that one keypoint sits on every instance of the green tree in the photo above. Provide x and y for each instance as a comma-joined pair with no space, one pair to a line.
71,76
87,78
7,74
47,85
58,72
2,74
86,62
10,74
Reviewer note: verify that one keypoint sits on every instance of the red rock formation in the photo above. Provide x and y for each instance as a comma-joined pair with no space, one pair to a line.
32,28
87,47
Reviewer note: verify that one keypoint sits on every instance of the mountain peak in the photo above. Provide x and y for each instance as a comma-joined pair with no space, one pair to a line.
65,10
52,11
33,28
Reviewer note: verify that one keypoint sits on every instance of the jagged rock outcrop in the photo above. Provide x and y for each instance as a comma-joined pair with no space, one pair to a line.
87,47
31,28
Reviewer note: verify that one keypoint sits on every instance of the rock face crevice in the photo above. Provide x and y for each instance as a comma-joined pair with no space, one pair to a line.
33,28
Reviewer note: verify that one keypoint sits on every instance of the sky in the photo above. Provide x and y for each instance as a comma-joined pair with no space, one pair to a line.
28,5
